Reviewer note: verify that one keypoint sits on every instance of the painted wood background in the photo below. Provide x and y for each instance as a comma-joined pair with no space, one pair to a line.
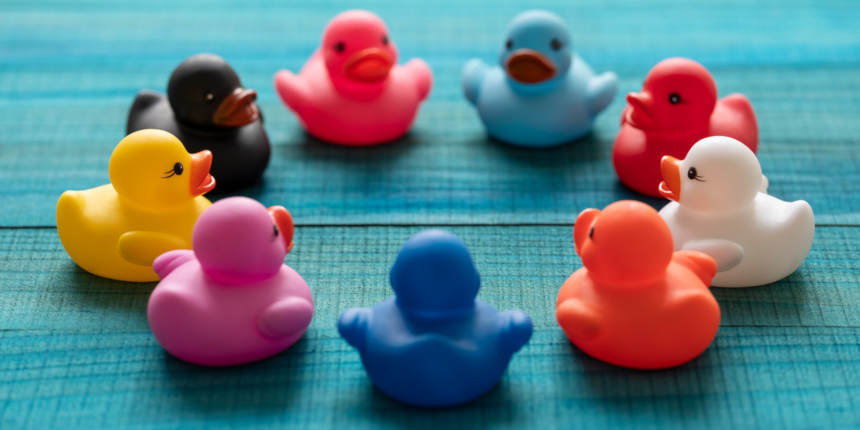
76,352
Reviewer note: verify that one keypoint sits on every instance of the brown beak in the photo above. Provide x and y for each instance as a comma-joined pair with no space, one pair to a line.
237,109
530,67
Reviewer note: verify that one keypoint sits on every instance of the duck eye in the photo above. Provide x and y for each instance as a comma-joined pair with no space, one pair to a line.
509,44
275,231
339,47
209,97
385,39
591,233
176,170
692,174
555,44
674,98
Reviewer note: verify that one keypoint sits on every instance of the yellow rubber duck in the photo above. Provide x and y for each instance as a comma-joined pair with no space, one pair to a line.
150,207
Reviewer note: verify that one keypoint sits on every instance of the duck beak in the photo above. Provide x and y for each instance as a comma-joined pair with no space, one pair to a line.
284,222
200,181
369,65
237,109
670,186
528,66
638,113
583,224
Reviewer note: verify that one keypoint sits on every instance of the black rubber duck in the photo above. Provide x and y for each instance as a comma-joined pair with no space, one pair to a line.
206,107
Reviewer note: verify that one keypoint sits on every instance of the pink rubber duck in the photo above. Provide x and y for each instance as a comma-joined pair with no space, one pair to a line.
351,91
231,300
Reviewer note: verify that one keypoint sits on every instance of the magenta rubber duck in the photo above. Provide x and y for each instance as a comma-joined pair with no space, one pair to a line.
232,299
351,91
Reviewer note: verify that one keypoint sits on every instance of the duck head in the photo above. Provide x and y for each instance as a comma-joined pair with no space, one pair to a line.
627,244
719,175
678,94
204,91
434,276
357,50
238,241
151,170
537,50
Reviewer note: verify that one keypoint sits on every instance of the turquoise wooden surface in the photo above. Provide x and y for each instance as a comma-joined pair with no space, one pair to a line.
75,350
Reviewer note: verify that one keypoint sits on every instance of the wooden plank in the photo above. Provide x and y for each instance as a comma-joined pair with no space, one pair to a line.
75,350
69,75
445,171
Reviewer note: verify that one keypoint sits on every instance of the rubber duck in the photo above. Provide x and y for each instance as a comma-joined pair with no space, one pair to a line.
636,303
232,299
207,108
351,90
434,344
677,107
150,207
720,207
541,94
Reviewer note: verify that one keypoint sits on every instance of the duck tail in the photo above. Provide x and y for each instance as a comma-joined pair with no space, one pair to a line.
741,108
738,102
144,100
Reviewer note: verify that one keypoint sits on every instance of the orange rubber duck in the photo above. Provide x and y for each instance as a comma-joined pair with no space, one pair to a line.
636,303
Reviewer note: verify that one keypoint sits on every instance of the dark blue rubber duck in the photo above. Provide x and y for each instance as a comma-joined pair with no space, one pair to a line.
206,107
434,344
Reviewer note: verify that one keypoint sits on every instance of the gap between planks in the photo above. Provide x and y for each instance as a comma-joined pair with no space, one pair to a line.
386,224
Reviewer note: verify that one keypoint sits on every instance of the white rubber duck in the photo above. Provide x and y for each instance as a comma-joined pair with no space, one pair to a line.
721,207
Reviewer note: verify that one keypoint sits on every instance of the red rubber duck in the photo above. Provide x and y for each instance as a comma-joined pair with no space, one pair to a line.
677,107
636,303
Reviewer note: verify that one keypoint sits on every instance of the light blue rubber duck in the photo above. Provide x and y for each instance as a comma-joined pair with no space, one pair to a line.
542,94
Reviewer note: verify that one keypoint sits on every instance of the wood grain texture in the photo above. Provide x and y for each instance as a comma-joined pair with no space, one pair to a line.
76,352
63,105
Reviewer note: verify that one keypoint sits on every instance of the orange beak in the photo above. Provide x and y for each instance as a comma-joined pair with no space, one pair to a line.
237,109
581,227
200,181
369,65
530,67
284,221
670,187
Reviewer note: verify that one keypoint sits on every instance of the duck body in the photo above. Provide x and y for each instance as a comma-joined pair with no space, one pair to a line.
720,208
640,328
539,118
677,108
150,207
541,93
636,303
435,362
434,344
775,236
91,222
374,117
202,321
351,91
241,154
231,300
